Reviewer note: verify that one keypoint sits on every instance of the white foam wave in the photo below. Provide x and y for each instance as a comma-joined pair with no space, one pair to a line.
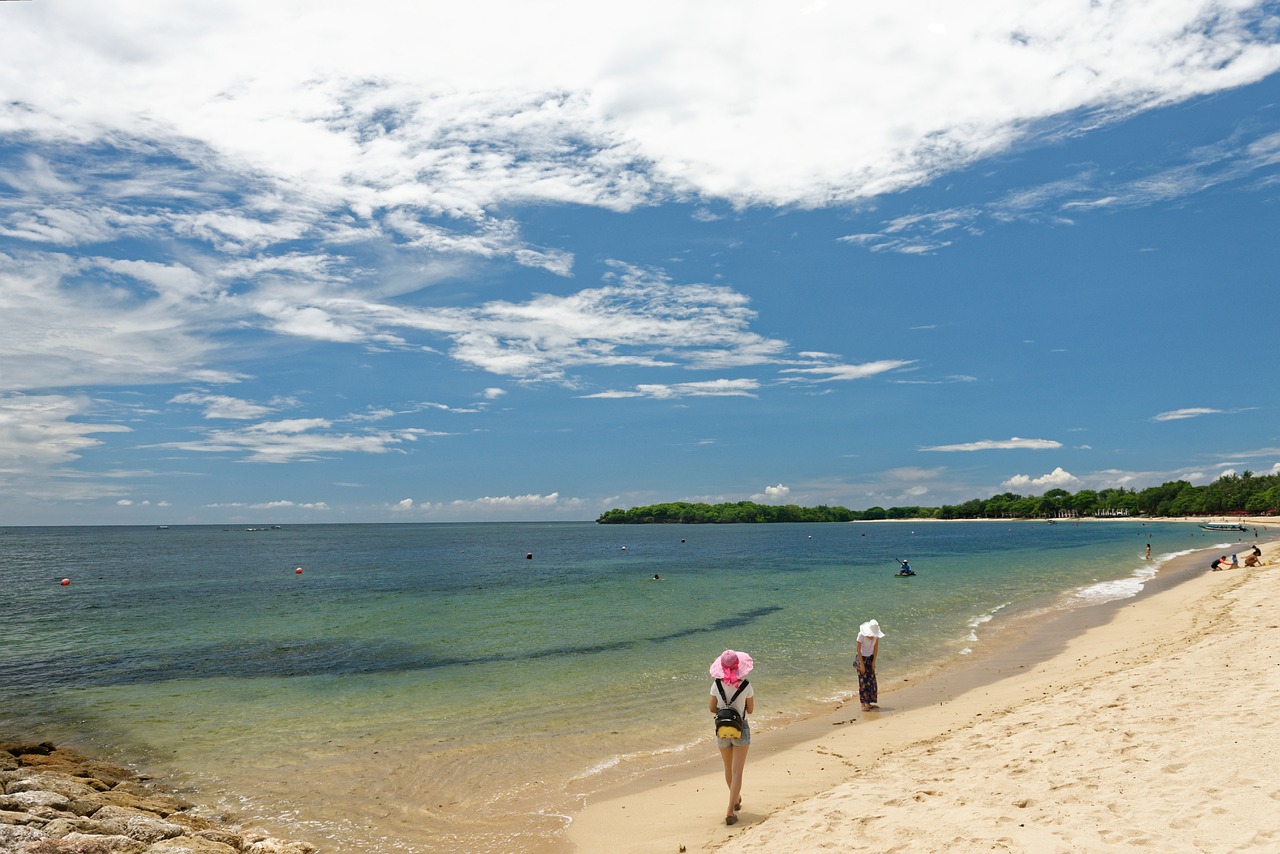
1124,588
980,620
618,759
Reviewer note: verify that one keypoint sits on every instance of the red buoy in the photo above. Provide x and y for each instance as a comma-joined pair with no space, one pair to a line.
298,571
66,582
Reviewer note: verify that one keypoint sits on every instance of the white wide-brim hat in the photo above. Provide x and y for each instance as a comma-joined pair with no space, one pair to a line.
870,629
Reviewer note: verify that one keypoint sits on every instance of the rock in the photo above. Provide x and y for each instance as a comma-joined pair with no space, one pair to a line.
80,843
12,836
56,801
278,846
216,834
191,845
19,748
11,817
159,804
61,827
27,800
123,815
150,829
63,784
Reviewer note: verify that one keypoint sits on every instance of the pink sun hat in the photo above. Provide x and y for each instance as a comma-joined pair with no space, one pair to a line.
731,666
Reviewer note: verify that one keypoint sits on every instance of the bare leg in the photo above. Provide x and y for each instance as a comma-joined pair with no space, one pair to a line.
726,754
735,759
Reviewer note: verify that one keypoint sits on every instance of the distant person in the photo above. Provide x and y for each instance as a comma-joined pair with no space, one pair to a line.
1219,564
1234,563
1254,558
868,650
1148,551
731,689
906,569
657,577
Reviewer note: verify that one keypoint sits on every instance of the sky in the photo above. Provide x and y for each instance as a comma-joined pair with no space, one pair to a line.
298,262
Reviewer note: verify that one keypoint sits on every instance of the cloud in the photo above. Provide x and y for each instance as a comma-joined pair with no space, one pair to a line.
444,112
1248,155
298,439
949,380
532,505
282,504
1000,445
38,433
1056,479
834,372
1181,414
772,495
222,406
668,391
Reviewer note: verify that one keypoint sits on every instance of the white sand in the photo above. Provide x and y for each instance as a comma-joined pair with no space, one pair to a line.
1158,730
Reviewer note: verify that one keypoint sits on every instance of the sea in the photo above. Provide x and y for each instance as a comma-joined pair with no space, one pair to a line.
446,687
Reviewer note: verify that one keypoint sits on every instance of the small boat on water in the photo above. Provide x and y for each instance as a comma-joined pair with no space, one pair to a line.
1223,526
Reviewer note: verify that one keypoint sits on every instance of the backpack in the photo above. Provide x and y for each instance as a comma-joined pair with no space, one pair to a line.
728,719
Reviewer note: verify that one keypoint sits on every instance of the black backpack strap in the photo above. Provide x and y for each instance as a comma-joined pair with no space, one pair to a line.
728,701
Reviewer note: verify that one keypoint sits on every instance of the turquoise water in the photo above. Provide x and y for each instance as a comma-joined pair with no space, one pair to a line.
425,687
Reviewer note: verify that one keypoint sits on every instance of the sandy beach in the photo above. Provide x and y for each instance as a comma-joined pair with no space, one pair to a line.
1149,723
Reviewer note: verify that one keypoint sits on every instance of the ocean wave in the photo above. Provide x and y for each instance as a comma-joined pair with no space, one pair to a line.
1123,588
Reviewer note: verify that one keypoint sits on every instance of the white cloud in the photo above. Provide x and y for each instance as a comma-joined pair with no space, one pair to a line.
1181,414
834,372
1247,156
772,495
222,406
282,504
437,108
63,324
707,388
1000,445
532,505
293,440
1056,479
38,433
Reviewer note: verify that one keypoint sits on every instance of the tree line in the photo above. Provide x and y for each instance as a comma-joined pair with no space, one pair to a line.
1234,494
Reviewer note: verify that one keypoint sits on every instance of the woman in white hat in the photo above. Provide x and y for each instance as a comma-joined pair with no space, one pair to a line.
731,689
864,659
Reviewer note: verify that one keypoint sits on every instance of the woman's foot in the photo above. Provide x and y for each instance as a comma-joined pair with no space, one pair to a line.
731,819
866,707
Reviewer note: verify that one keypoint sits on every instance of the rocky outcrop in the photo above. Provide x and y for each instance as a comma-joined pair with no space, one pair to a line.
56,801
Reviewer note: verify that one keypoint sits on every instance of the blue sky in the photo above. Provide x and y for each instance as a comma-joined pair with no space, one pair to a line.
319,263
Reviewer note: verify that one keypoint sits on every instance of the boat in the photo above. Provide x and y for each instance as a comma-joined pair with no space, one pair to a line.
1223,526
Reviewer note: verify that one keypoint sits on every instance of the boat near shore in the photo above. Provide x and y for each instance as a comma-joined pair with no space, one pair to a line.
1223,526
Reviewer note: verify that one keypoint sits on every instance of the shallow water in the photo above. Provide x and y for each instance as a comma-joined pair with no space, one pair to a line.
425,687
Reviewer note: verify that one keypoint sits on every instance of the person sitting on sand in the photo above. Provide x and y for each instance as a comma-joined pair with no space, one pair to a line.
729,671
1220,563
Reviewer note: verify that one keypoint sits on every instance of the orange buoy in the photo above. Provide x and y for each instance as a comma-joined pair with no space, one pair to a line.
66,582
298,571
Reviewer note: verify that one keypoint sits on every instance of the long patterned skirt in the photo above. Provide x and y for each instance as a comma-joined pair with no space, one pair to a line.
868,690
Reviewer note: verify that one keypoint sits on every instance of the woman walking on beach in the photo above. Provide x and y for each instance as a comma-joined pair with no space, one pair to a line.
732,690
869,635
